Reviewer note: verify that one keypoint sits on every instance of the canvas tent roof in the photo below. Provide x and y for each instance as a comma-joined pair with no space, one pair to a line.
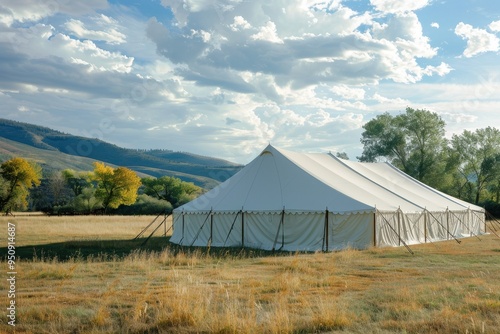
279,180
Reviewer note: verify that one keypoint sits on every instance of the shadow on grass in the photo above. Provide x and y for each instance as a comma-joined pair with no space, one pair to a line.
116,249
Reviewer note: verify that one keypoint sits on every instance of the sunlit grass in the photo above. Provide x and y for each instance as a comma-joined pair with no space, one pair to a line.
102,282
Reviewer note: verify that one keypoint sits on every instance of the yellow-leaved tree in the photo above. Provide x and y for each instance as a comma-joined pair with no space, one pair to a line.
115,186
17,176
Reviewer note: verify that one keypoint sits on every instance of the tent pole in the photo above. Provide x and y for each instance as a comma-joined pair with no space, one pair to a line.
324,234
425,225
157,227
447,222
144,230
489,215
232,226
460,220
242,228
402,241
399,227
484,216
283,229
211,228
165,225
278,231
437,221
375,228
492,228
201,228
326,230
180,241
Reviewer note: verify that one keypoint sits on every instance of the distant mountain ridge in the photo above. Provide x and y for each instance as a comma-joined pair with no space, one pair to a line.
56,146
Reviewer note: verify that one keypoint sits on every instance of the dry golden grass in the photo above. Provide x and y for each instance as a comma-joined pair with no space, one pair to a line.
444,288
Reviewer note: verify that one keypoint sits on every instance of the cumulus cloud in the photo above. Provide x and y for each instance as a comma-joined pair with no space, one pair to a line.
435,25
108,32
267,33
227,76
34,10
239,23
478,40
494,26
41,40
349,93
297,44
397,6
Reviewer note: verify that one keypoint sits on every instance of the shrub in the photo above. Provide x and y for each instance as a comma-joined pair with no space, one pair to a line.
492,207
145,205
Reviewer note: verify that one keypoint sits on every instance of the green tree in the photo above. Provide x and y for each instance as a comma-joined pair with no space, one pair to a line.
476,154
491,167
87,201
171,189
413,141
77,181
17,176
115,186
342,155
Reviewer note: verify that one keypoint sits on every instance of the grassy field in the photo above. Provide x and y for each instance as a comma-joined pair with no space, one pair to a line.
86,275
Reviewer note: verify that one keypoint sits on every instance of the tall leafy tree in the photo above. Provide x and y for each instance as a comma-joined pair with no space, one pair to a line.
77,181
413,141
17,176
171,189
87,201
477,159
491,167
115,186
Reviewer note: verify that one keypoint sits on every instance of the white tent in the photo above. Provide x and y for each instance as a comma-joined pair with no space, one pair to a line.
284,200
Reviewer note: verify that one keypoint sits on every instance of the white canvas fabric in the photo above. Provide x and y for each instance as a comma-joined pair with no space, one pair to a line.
314,201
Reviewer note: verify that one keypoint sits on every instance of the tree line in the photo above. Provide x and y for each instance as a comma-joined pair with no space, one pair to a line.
466,166
104,190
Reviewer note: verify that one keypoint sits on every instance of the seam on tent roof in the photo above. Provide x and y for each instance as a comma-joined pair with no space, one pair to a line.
279,179
450,198
253,179
372,181
291,157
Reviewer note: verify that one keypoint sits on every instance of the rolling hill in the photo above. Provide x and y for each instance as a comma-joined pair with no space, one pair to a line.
55,150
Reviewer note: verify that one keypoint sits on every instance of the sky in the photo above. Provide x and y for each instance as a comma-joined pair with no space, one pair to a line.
226,78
